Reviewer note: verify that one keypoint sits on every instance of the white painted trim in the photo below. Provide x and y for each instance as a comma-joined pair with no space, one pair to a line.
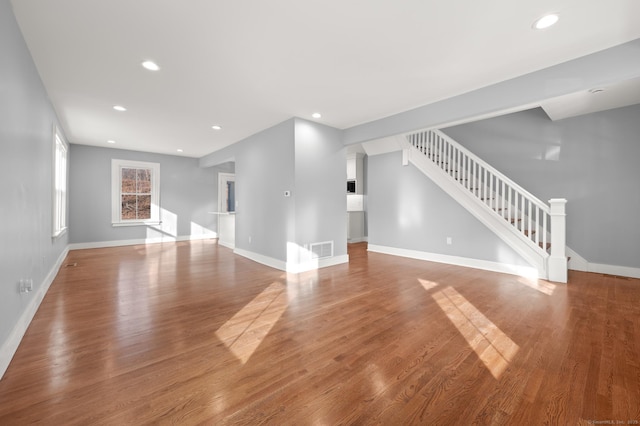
505,268
577,262
358,240
260,258
312,265
226,244
290,266
623,271
10,346
116,175
135,242
523,246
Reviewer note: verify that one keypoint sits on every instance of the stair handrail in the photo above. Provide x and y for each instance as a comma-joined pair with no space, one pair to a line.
541,204
498,193
450,157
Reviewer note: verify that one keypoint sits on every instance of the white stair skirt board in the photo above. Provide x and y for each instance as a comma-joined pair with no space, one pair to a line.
10,346
292,267
576,262
519,270
135,242
579,263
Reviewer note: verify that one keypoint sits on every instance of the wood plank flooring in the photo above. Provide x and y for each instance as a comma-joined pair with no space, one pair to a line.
189,333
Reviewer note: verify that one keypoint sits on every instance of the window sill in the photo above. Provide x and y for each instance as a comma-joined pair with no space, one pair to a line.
116,224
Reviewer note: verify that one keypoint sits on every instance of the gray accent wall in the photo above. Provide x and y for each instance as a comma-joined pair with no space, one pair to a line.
187,194
320,179
265,218
407,210
591,160
27,119
305,158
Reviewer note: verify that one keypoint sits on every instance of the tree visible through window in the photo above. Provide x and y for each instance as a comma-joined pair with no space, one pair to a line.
135,192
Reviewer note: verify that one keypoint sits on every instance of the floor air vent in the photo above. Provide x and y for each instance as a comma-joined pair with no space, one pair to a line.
321,250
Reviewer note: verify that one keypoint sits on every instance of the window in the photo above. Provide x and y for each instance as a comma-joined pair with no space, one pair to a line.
135,192
59,193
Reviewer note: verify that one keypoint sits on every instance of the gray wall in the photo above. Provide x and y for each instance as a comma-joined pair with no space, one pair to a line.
26,146
407,210
320,177
264,170
591,160
300,156
187,194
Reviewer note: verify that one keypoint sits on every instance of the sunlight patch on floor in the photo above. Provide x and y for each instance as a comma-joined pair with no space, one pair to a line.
426,284
494,348
538,285
243,333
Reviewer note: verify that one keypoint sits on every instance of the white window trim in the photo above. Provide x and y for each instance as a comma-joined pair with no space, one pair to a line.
116,207
59,200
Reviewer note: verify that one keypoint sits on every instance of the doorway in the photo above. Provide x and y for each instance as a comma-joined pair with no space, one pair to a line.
227,209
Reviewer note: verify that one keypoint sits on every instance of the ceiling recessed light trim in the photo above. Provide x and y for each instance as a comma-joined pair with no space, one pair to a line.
545,21
119,108
111,141
179,150
150,65
216,127
316,115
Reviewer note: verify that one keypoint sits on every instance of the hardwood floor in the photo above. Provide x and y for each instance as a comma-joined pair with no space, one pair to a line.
188,333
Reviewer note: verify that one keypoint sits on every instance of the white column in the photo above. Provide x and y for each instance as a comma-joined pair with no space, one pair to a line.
405,157
558,259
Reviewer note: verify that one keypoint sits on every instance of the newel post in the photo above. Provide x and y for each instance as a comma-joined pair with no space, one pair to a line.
557,265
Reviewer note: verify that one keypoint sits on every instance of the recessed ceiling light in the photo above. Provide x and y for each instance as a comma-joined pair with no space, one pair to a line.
119,108
179,150
546,21
150,65
316,115
216,127
111,141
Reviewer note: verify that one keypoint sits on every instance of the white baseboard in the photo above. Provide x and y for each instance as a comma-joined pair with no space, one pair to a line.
523,271
226,244
296,268
10,346
358,240
134,242
291,267
265,260
622,271
579,263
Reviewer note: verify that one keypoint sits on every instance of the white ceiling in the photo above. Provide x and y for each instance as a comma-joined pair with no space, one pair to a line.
249,64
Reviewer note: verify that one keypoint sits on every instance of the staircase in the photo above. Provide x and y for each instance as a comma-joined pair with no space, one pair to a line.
534,229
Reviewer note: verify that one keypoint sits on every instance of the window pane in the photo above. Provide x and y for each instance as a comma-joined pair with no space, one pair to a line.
144,181
144,206
128,207
128,181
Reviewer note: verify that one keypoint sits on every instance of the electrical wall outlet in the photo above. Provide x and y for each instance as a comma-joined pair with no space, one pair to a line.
25,285
449,240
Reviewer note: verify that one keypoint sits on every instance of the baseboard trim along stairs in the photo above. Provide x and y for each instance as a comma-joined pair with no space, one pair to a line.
534,229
